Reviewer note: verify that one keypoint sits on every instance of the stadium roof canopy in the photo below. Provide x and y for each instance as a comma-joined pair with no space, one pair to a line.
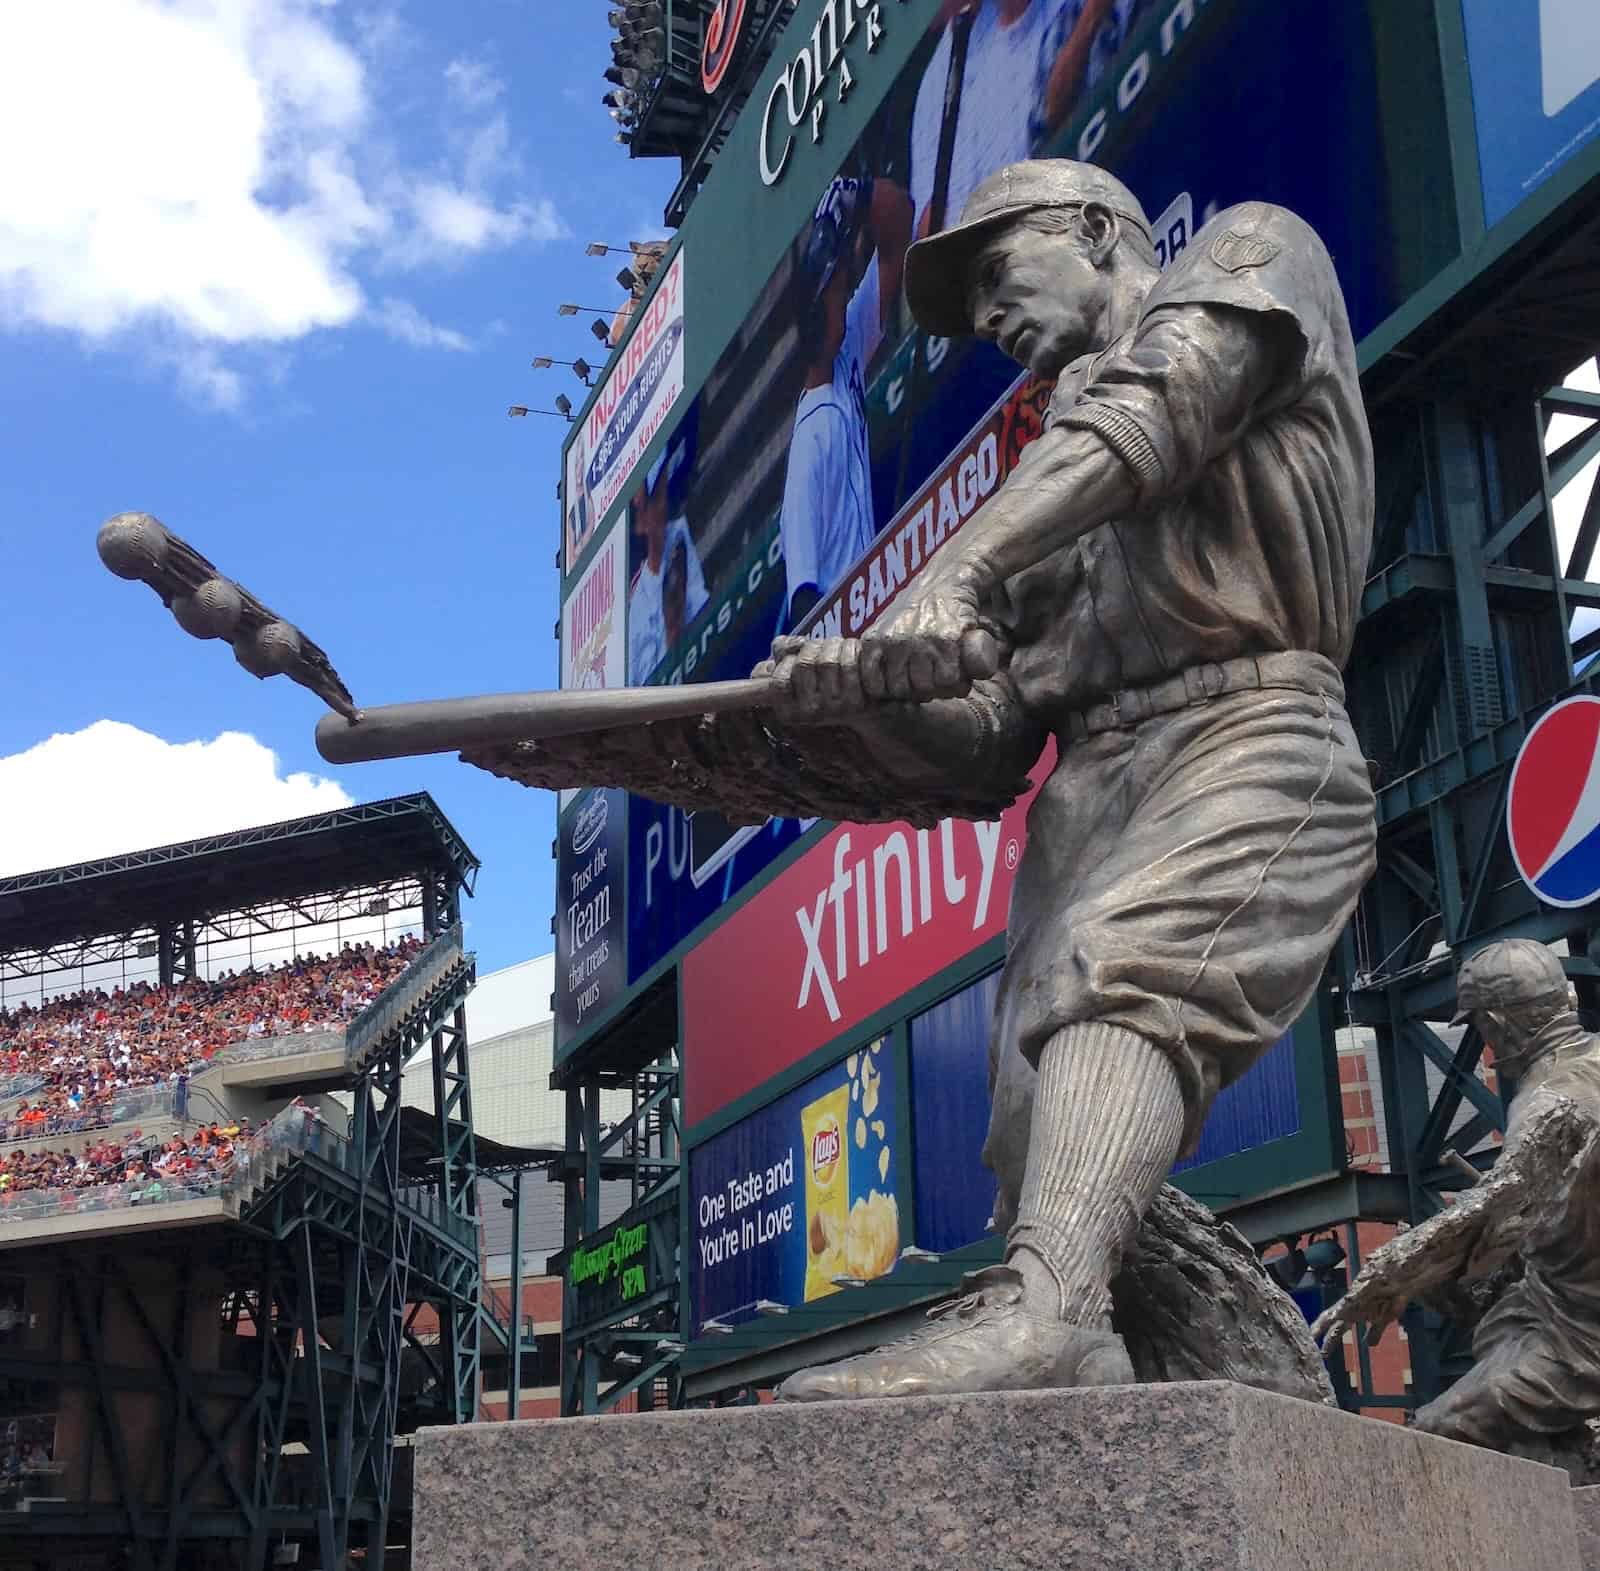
420,1146
347,848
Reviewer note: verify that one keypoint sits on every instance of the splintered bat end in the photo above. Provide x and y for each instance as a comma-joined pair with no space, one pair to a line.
205,604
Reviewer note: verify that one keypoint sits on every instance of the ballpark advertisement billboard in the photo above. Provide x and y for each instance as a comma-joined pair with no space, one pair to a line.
1535,68
591,947
831,446
867,914
955,1192
592,643
798,1195
642,383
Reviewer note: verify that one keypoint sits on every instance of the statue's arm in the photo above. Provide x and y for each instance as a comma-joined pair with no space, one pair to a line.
1551,1142
1184,390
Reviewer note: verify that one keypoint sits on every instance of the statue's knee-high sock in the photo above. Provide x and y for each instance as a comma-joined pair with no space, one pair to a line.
1108,1117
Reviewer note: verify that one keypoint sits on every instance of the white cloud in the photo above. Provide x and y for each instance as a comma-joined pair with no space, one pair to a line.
473,83
112,788
204,377
403,321
218,171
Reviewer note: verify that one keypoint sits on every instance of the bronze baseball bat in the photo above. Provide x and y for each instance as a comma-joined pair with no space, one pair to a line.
447,725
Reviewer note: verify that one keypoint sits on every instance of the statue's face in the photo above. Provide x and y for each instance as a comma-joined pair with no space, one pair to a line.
1039,296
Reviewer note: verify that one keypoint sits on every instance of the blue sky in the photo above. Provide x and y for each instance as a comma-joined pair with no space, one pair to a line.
273,270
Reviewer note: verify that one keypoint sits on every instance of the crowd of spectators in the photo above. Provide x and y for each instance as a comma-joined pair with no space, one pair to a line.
86,1056
115,1172
194,1161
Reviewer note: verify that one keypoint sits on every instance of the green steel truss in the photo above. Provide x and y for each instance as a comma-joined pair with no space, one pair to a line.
330,1283
631,1351
1474,623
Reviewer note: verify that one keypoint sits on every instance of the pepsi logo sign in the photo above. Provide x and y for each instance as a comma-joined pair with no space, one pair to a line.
723,30
1553,806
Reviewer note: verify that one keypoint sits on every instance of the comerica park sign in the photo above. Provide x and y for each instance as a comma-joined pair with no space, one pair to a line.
804,84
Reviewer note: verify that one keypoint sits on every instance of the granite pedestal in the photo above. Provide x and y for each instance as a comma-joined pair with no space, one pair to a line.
1192,1477
1586,1502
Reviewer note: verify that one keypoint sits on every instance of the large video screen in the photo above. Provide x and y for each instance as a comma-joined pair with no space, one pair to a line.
833,447
1535,68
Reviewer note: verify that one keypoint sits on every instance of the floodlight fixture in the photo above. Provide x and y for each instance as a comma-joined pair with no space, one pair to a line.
567,309
580,367
564,404
600,248
628,279
602,332
1324,1256
520,411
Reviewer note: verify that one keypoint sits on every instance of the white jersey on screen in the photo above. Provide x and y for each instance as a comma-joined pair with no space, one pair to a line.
827,519
992,124
647,621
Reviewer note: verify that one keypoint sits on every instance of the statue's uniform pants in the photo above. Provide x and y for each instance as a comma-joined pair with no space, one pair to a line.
1538,1365
1185,878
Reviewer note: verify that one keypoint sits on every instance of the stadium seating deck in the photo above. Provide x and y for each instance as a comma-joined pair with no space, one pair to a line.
97,1059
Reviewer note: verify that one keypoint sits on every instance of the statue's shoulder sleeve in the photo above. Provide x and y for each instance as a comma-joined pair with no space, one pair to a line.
1261,259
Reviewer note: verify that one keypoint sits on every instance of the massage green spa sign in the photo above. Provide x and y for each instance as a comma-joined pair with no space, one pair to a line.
622,1269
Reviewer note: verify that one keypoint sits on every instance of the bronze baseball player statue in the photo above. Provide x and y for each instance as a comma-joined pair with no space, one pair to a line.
1166,587
1519,1254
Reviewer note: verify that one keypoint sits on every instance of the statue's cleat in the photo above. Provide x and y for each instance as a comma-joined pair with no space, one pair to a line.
990,1341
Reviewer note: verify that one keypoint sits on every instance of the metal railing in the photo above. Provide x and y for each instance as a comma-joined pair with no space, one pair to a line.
178,1104
253,1050
295,1131
139,1102
19,1086
254,1161
405,993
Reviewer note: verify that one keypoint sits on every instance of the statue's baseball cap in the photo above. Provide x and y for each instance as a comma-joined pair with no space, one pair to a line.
1508,975
938,268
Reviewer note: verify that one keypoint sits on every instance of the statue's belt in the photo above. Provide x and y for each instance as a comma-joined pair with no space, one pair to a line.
1199,684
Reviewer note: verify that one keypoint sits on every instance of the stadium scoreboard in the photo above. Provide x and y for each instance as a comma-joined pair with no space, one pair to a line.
776,446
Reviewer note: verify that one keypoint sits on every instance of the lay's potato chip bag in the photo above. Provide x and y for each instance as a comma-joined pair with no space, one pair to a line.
823,1125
